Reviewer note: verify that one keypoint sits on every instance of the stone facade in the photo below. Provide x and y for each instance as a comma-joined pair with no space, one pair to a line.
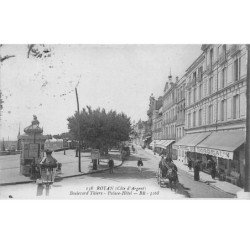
169,110
216,95
210,97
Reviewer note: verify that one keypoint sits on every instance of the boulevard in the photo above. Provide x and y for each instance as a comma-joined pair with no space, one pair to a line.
125,183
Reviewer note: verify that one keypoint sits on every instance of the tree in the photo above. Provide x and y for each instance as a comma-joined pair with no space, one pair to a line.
57,136
48,137
100,129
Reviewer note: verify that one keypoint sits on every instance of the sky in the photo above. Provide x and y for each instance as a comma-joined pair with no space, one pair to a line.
118,77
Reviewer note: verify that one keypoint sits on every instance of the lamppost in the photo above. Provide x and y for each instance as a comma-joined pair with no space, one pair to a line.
247,147
246,193
79,134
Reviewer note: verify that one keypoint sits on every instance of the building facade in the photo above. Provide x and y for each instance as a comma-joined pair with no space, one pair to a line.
180,121
169,113
157,125
215,112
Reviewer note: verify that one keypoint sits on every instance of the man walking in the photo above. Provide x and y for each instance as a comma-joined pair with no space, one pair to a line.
139,164
111,165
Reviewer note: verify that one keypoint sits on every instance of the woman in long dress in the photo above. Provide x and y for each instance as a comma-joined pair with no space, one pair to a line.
197,170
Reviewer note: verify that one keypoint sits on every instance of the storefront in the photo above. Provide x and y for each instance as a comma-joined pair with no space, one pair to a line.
165,146
186,146
162,146
227,149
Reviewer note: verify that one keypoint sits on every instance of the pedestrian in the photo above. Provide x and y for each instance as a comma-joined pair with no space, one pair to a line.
197,170
111,165
48,159
212,166
189,163
172,166
172,173
140,164
164,168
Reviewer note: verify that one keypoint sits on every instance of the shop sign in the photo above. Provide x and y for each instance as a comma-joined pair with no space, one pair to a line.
187,148
215,152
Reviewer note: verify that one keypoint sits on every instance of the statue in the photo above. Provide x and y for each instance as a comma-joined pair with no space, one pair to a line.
35,121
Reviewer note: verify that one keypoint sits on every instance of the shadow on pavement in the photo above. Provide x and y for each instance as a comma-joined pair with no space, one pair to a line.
126,173
136,158
181,189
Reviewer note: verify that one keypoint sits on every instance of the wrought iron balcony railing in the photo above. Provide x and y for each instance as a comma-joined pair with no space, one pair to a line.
209,69
222,59
235,48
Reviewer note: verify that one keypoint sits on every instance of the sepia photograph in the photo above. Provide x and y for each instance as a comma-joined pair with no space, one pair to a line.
124,125
124,121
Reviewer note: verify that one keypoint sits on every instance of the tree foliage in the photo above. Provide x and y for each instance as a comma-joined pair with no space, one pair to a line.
65,135
100,129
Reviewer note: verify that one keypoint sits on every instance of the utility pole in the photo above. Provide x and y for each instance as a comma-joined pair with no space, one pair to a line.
247,146
79,134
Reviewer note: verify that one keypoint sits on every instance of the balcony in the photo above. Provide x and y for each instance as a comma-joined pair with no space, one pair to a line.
180,120
191,83
200,78
209,69
222,59
235,49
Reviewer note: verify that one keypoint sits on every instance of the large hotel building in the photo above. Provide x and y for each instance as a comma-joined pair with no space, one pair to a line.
204,112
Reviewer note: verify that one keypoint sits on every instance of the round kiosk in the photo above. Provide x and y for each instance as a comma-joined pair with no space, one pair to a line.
32,147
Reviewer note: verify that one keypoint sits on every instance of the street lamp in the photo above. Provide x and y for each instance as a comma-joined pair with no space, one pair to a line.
246,193
78,130
247,147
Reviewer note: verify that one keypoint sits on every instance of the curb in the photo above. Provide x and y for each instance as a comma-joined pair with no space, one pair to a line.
203,181
69,176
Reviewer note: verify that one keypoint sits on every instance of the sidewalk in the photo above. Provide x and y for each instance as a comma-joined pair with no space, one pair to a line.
9,169
206,178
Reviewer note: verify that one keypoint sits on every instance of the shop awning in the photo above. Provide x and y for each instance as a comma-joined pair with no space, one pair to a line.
164,143
153,143
189,141
159,144
168,142
222,144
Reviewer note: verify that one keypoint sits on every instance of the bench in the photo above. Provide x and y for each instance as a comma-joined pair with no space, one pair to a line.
233,177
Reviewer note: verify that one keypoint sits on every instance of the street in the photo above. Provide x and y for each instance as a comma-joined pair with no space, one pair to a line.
10,165
125,183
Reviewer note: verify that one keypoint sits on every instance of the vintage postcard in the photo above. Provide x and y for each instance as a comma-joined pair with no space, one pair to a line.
124,121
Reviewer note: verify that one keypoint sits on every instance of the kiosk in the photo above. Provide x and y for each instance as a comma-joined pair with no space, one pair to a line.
32,148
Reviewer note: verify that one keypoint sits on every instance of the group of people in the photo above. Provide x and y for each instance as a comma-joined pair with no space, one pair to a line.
197,166
168,169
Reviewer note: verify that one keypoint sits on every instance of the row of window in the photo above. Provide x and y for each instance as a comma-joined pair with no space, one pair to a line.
223,113
170,114
169,131
180,132
193,96
221,51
